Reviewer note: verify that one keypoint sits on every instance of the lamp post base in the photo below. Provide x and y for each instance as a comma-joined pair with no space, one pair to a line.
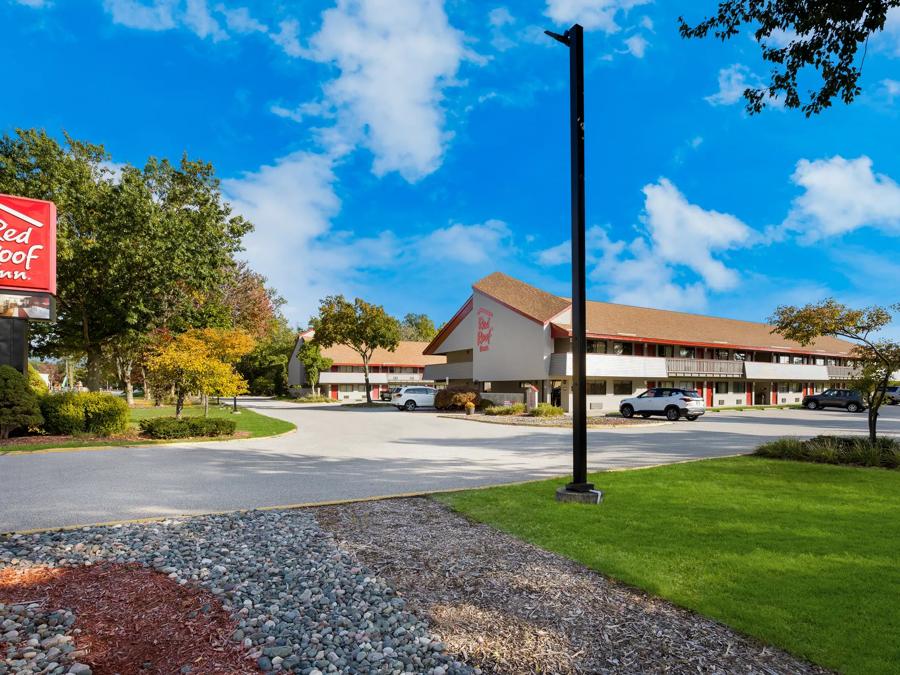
579,496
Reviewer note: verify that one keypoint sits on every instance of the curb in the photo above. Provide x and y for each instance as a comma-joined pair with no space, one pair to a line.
594,427
123,446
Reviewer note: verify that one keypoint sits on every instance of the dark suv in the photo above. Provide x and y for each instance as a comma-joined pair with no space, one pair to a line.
892,395
835,398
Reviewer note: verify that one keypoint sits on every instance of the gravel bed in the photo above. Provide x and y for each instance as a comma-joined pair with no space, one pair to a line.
509,607
527,421
35,640
299,603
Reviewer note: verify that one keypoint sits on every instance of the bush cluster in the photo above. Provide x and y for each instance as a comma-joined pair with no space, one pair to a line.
514,409
19,406
314,398
857,451
187,427
455,398
82,412
547,410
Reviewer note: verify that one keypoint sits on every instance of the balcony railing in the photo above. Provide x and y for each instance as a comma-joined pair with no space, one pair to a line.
453,371
679,367
840,372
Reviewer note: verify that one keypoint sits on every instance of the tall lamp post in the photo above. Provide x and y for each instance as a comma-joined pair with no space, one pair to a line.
579,489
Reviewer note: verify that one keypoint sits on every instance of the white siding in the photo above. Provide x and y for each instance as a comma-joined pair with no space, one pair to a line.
785,372
462,337
519,347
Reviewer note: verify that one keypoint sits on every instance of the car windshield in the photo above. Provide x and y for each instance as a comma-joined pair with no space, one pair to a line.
692,393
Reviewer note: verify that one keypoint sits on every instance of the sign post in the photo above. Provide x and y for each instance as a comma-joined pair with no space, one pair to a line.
27,273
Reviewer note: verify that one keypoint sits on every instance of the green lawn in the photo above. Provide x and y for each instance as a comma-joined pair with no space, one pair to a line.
803,556
254,423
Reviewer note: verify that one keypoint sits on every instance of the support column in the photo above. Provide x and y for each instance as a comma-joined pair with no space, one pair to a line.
14,335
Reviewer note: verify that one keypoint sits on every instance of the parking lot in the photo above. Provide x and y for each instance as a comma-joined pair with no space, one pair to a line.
346,453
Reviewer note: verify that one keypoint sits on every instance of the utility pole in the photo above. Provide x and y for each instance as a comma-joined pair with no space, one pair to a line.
579,489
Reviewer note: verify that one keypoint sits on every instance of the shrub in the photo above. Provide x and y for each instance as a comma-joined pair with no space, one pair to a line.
314,398
36,382
547,410
514,409
187,427
264,385
77,412
19,406
455,398
854,450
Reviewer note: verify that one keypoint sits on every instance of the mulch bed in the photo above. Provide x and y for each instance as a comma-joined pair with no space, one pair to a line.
526,421
130,619
506,606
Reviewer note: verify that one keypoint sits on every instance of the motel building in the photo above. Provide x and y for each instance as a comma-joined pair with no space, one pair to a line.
510,336
346,380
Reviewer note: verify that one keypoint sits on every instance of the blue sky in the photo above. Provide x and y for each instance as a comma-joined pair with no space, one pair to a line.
400,149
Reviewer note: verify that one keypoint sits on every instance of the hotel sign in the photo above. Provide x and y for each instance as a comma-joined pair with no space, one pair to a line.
485,330
27,245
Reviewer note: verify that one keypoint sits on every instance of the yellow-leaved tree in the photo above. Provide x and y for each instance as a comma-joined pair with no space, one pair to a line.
199,362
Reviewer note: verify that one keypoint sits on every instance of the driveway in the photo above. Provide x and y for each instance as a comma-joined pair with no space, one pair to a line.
344,453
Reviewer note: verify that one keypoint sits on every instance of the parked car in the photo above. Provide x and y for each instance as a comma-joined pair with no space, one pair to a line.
388,394
835,398
410,398
893,395
673,403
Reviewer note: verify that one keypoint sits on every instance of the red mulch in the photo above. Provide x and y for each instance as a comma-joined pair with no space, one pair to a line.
133,620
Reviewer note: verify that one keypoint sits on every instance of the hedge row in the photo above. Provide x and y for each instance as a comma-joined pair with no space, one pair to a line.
455,398
187,427
857,451
77,412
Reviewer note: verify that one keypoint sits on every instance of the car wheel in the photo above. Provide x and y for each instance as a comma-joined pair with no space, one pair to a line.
853,407
645,415
691,418
672,413
627,411
812,405
410,406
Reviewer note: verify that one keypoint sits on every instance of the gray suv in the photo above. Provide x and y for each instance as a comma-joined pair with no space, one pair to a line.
892,395
850,400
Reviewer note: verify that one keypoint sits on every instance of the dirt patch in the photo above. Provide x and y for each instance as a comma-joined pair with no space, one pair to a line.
509,607
562,422
130,619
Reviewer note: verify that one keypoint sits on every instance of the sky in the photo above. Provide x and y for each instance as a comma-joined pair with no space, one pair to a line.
399,150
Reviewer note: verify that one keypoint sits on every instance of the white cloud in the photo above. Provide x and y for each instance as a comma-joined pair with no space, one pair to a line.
395,60
288,38
841,195
679,237
160,15
889,90
888,41
239,20
591,14
636,46
499,18
732,83
467,244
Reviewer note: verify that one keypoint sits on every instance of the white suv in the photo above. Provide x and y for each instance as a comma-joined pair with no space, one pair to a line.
673,403
410,398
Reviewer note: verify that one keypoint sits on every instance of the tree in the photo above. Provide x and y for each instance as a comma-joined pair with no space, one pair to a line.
878,358
19,405
796,34
136,251
251,306
126,351
310,355
360,326
265,368
417,327
188,364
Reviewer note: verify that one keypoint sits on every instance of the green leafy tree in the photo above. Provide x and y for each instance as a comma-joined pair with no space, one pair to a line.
417,327
36,382
878,358
358,325
138,250
314,364
19,405
794,35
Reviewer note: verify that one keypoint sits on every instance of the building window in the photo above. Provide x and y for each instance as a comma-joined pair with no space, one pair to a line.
797,359
664,351
686,352
721,387
666,384
784,358
739,387
622,387
722,354
623,348
596,346
797,387
784,388
596,388
740,356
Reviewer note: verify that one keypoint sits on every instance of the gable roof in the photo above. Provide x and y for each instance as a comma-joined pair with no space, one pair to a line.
408,353
524,298
628,322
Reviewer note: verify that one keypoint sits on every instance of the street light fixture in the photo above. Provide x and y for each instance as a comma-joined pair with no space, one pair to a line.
579,489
